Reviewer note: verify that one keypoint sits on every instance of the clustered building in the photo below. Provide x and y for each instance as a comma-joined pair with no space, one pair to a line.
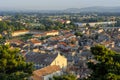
61,52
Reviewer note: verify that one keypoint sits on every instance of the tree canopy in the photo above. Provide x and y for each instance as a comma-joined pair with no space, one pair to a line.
78,33
65,77
13,65
107,66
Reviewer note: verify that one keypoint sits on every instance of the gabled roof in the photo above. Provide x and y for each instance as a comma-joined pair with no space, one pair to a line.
21,31
38,58
47,70
16,41
52,31
35,41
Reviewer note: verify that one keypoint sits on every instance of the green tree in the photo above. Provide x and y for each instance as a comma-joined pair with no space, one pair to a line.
78,34
13,65
3,26
87,24
107,65
65,77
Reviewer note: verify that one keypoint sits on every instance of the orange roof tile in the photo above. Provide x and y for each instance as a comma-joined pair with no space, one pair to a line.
21,31
63,43
39,35
35,41
47,70
51,31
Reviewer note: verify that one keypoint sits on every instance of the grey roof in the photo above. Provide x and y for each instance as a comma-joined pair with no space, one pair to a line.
38,58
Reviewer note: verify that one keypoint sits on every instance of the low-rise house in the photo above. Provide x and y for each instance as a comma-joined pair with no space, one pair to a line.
0,18
64,21
35,43
68,22
47,73
4,33
52,33
72,53
65,31
43,60
63,45
35,32
103,37
56,38
86,53
0,35
69,36
20,32
35,50
96,23
39,35
100,31
119,29
119,44
109,44
16,42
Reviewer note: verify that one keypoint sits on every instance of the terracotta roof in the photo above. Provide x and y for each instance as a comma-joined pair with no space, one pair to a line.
107,42
51,31
68,35
21,31
39,35
47,70
72,45
35,41
74,39
57,38
15,41
66,31
63,43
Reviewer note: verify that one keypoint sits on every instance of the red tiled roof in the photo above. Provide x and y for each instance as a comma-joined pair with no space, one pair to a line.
51,31
39,35
47,70
35,41
63,43
15,41
21,31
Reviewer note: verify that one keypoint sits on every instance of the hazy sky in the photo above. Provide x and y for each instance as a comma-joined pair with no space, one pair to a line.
54,4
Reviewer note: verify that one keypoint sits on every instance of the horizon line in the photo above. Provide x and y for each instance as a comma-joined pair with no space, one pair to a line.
22,9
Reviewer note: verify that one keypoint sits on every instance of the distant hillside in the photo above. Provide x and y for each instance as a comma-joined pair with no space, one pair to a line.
100,9
73,10
93,9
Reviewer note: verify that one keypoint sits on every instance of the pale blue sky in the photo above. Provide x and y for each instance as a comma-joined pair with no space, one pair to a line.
54,4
